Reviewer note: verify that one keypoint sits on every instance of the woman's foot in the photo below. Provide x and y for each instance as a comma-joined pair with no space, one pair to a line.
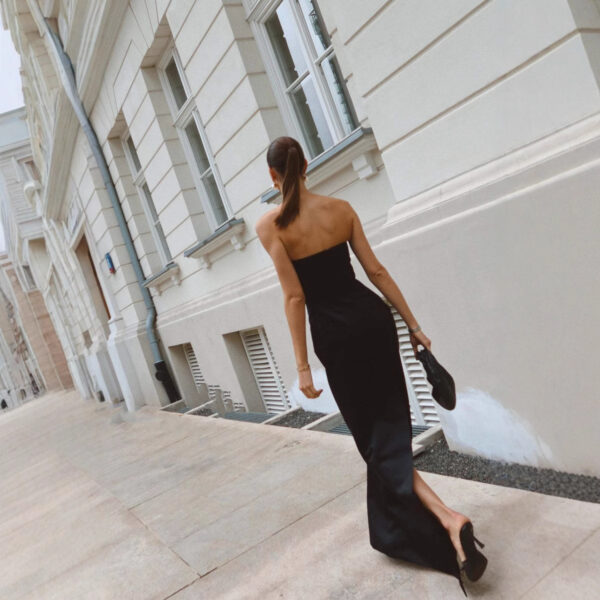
455,522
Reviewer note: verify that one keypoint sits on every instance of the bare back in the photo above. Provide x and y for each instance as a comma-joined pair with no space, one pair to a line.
322,222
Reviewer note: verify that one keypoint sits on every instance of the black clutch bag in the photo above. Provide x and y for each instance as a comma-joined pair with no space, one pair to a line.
443,390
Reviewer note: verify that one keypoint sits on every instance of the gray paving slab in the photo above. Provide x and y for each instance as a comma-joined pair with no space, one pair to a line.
96,503
576,576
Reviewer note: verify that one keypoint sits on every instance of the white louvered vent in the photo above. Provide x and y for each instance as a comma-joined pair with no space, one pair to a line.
200,381
194,366
229,401
266,373
422,405
213,390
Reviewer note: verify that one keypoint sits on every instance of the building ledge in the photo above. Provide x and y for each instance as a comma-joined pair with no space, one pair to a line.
169,275
355,149
230,231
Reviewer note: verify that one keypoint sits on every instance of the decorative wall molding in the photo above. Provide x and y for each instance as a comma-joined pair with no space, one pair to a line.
512,173
166,277
230,231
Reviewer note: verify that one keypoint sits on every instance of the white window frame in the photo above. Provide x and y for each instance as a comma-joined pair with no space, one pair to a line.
139,181
30,174
181,119
258,12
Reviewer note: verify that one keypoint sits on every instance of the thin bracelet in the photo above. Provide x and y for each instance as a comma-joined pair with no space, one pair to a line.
417,328
304,368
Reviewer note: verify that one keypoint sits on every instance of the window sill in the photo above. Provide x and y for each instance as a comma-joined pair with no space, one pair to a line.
166,277
230,231
356,149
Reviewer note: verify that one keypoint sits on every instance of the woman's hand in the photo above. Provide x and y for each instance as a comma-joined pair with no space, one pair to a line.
305,383
419,338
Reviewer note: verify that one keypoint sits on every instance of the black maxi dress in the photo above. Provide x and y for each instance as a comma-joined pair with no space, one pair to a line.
354,336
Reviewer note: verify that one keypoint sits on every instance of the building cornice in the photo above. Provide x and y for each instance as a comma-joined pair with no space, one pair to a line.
98,48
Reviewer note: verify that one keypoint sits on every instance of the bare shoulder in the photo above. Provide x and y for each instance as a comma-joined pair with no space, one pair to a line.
345,211
346,207
332,201
360,244
265,223
342,208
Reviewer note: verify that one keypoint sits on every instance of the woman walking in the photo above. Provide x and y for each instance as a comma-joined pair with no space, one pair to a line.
354,336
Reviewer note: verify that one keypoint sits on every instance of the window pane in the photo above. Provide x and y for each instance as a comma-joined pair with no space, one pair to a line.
284,36
316,27
193,135
338,91
29,276
155,223
134,157
311,116
149,203
163,241
214,197
175,84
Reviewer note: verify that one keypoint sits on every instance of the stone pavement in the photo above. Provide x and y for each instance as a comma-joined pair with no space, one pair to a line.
97,503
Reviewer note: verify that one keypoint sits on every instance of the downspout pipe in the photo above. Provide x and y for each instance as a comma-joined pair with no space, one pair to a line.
67,77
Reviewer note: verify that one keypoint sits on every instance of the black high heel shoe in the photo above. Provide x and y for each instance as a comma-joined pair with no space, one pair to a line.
476,562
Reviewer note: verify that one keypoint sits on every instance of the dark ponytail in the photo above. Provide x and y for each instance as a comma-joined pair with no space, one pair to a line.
285,155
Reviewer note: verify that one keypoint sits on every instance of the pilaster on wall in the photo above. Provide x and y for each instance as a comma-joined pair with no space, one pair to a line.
122,290
133,211
233,94
164,164
249,57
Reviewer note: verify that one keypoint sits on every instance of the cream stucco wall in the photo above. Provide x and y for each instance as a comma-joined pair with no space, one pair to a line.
487,118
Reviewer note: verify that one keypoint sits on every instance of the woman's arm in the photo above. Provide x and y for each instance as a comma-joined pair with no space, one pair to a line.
296,318
376,272
382,280
293,298
385,283
293,294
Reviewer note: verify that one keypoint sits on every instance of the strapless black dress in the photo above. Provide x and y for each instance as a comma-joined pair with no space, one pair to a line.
354,336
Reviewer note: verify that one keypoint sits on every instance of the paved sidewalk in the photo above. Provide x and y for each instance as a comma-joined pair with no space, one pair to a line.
97,503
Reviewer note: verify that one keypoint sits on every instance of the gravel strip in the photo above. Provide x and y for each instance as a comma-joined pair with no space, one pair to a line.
438,458
299,418
204,412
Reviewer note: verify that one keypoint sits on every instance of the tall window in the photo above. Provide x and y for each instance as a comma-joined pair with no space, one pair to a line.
160,242
186,120
308,73
29,280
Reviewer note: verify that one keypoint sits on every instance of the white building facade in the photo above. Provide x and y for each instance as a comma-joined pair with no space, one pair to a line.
465,137
32,360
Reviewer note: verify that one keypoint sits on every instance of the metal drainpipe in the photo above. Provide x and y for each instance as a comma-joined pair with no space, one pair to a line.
67,76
